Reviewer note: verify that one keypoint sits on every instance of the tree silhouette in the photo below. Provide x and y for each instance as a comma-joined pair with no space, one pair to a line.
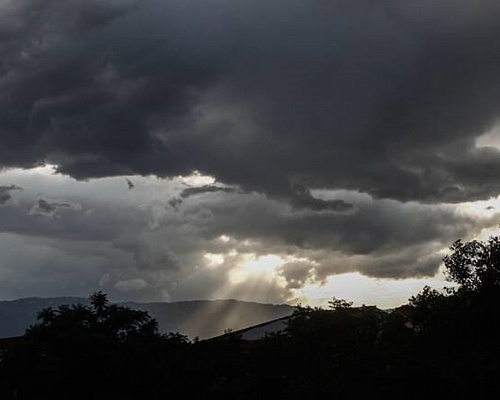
458,329
100,351
99,321
474,265
336,304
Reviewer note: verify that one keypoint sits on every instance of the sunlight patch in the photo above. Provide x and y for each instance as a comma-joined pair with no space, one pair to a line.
490,138
214,260
224,238
47,169
197,179
263,267
484,208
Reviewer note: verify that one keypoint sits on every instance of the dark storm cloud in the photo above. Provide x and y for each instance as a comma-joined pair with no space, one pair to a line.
379,228
6,193
296,273
302,198
383,238
382,97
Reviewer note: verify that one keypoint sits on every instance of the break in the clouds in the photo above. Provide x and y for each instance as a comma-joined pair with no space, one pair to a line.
338,135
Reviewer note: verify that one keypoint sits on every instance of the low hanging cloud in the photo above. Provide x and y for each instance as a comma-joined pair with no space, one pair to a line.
302,198
193,191
150,251
6,193
48,207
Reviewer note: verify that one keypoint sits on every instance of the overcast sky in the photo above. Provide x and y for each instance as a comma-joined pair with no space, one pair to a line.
265,150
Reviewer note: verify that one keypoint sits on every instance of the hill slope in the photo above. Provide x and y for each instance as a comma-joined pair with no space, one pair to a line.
202,318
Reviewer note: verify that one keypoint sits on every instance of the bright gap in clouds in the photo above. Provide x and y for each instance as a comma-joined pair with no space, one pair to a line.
263,267
197,179
355,287
490,138
363,290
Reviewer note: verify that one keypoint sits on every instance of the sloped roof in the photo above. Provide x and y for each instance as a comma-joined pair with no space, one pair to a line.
8,343
256,332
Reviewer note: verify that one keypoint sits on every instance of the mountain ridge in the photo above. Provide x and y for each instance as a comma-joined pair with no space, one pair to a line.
194,318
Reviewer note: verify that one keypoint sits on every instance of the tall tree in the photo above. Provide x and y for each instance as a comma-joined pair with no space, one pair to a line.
474,265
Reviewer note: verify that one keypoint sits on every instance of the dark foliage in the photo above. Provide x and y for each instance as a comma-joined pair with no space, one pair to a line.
438,345
99,352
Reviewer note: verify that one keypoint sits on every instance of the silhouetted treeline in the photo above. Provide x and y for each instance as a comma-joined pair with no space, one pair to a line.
438,345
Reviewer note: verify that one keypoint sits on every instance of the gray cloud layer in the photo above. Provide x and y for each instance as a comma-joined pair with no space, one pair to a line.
382,97
134,244
338,132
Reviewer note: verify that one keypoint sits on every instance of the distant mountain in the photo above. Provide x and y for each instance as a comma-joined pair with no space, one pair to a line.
199,318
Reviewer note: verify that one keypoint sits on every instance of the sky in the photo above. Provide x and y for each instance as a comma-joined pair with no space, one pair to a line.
278,151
